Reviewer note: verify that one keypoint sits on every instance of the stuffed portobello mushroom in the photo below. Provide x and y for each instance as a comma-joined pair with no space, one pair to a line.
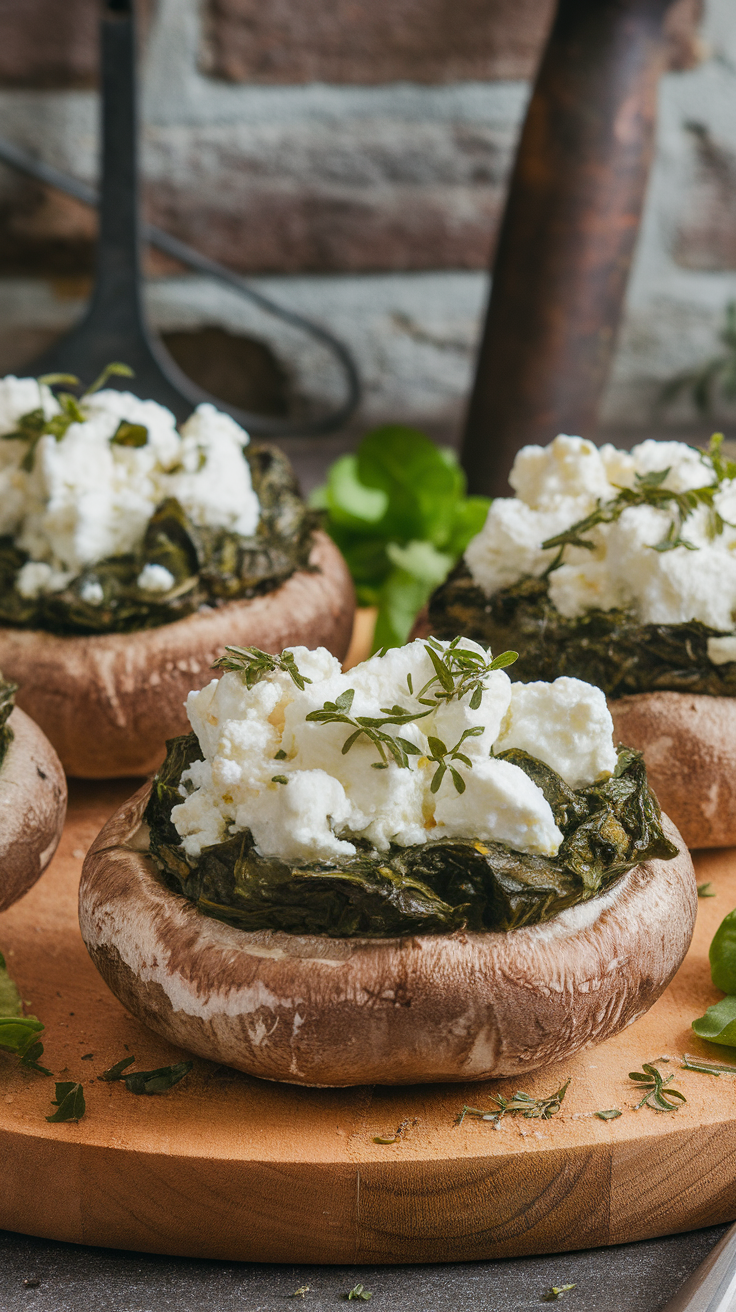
619,568
131,552
32,799
414,871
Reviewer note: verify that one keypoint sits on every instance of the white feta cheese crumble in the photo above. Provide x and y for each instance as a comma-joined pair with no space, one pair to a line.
270,769
87,497
566,724
91,592
559,485
721,651
155,578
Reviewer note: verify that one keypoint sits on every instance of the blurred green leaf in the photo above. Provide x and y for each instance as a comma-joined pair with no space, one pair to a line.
10,1000
723,954
397,510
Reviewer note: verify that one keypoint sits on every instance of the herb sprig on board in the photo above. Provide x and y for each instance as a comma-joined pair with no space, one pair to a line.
648,490
520,1104
19,1034
657,1095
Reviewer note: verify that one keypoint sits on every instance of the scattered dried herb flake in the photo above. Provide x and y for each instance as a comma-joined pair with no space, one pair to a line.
556,1292
358,1292
158,1081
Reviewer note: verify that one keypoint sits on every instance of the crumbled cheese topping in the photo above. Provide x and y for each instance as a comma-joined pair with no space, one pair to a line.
255,739
559,485
155,578
87,497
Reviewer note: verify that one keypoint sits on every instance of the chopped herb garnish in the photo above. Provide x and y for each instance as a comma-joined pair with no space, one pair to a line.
705,890
252,665
116,1072
300,1292
556,1292
279,779
357,1292
158,1081
611,1114
520,1104
378,1138
657,1095
70,1102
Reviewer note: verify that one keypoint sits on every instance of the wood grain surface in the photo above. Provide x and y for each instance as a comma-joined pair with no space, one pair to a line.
232,1167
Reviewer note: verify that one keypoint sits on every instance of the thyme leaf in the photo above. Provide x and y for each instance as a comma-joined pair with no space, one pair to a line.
252,665
556,1292
300,1292
610,1114
69,1101
357,1292
655,1095
520,1104
705,890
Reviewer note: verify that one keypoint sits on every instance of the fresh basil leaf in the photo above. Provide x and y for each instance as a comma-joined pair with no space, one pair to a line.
718,1025
18,1033
158,1081
70,1102
723,954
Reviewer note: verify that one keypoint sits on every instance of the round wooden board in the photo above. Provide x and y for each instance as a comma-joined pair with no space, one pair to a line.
231,1167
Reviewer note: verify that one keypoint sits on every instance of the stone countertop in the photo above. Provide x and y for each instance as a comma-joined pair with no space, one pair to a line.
40,1275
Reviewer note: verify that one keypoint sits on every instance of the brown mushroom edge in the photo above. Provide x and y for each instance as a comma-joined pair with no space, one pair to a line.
108,702
32,808
330,1012
689,746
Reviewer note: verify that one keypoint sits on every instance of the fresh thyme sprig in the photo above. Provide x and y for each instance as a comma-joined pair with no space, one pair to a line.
655,1096
520,1104
648,490
459,671
371,727
252,665
444,756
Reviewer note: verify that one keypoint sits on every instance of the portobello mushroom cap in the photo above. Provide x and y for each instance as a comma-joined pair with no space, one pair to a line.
689,746
32,807
109,701
341,1011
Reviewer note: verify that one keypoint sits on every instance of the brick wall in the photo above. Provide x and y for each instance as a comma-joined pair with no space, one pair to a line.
351,192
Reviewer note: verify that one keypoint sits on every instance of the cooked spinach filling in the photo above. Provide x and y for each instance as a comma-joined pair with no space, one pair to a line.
7,701
210,566
431,888
608,648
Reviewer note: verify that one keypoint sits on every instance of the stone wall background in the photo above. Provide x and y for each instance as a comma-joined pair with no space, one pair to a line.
352,156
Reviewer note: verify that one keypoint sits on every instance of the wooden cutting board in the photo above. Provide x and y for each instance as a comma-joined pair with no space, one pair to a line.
232,1167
